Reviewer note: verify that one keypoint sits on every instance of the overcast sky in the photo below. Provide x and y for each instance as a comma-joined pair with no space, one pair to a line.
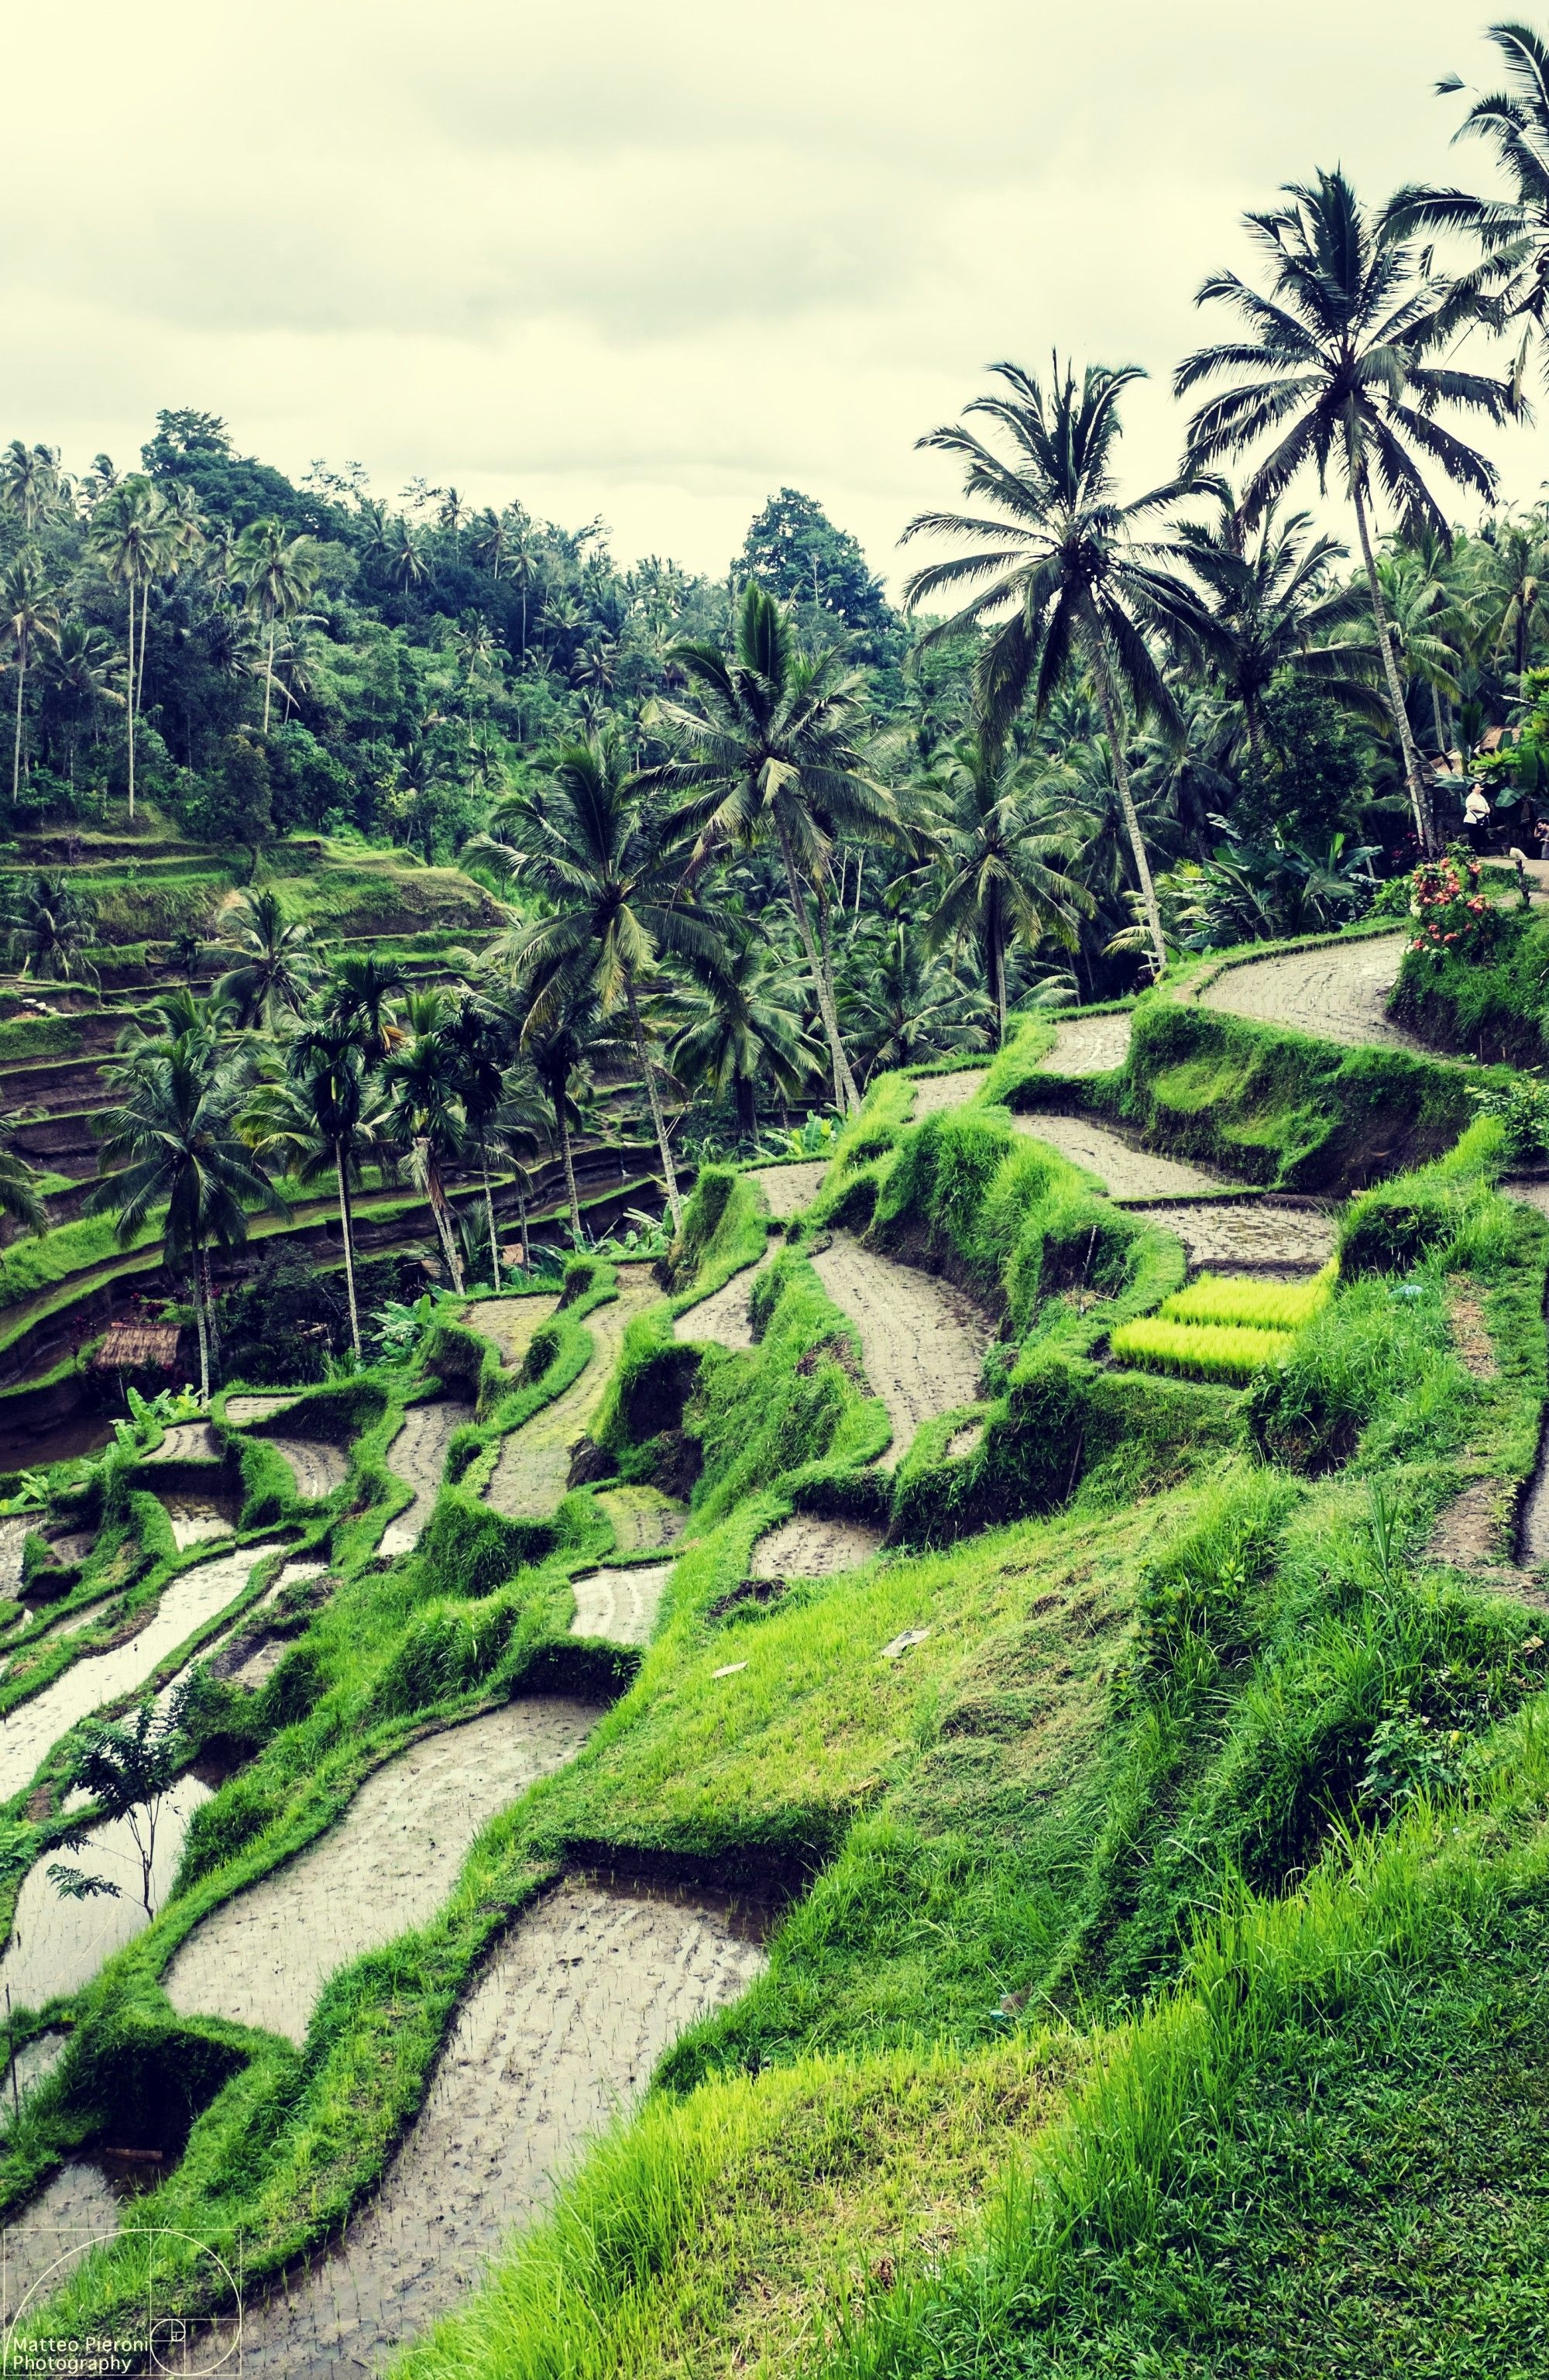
654,261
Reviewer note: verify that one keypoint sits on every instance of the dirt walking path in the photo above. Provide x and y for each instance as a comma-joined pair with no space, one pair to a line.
417,1456
533,1467
788,1188
1337,994
725,1316
1124,1170
509,1323
921,1342
59,1944
387,1865
620,1605
808,1546
560,2034
643,1519
190,1600
1261,1233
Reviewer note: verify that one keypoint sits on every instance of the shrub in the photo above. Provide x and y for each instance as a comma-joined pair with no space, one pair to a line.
447,1648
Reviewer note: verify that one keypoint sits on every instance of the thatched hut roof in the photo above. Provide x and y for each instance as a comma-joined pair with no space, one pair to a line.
137,1346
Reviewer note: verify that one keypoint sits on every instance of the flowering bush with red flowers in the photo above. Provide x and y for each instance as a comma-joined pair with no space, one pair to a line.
1453,913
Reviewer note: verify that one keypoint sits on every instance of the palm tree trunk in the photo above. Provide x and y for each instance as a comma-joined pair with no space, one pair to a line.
522,1225
846,1095
1437,721
563,1122
490,1216
210,1310
1108,695
642,1058
129,699
997,940
204,1332
437,1196
1419,802
341,1164
269,674
15,748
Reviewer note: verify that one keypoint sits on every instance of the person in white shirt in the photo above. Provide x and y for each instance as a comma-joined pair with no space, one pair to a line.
1476,817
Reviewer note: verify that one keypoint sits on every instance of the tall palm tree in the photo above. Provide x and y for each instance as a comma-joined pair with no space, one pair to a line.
47,926
175,1138
30,622
276,966
361,995
613,888
1512,231
425,1115
80,680
776,752
280,574
130,537
476,1040
744,1022
1269,603
31,485
909,1003
325,1113
999,870
1056,571
1509,574
1333,368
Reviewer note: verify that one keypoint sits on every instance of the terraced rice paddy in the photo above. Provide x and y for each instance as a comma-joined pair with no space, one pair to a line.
533,1469
620,1604
417,1456
921,1342
387,1865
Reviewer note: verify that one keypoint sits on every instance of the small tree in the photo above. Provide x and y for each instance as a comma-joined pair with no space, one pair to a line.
128,1766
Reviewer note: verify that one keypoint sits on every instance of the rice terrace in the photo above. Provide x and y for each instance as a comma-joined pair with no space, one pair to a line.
774,1389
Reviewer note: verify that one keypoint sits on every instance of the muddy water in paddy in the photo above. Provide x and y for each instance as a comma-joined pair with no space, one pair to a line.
935,1092
725,1318
1089,1045
47,2238
809,1546
511,1322
242,1412
387,1865
59,1944
318,1467
1338,994
1260,1234
788,1188
188,1441
921,1341
533,1470
417,1456
1125,1172
620,1605
190,1600
560,2034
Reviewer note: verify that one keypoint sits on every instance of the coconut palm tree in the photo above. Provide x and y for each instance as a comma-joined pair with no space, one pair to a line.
999,869
1333,368
78,682
20,1198
174,1136
1509,572
475,1035
29,622
1270,602
424,1114
1512,230
612,886
1056,571
130,538
362,994
280,574
909,1004
276,965
47,926
775,752
31,485
744,1023
325,1112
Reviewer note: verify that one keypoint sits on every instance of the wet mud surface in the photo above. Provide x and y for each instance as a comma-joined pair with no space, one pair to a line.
1089,1045
1260,1234
188,1441
620,1605
388,1864
808,1546
13,1537
190,1600
509,1323
643,1519
560,2034
1125,1172
923,1342
725,1316
788,1188
242,1412
319,1468
44,2241
934,1093
59,1944
197,1518
418,1457
534,1466
1337,994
